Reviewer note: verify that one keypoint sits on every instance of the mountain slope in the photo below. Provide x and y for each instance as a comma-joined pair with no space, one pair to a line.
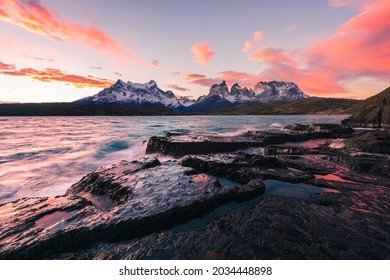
220,97
308,106
134,94
372,112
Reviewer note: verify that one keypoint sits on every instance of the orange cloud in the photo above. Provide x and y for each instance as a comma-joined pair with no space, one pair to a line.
55,75
270,55
249,45
361,46
202,53
359,49
34,17
178,88
4,66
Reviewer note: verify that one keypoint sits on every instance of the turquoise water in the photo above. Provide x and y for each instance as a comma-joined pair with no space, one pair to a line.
43,156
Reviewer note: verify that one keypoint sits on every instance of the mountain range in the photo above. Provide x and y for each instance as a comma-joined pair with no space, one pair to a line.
219,96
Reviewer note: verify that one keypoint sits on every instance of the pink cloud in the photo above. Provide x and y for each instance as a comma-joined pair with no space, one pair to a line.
270,55
34,17
249,45
202,53
350,3
4,66
361,46
178,88
359,49
55,75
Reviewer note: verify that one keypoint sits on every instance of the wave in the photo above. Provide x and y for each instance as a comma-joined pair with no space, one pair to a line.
112,146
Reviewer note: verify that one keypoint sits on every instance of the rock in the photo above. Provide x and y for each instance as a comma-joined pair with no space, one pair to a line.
367,152
268,138
244,168
107,183
319,130
351,226
299,133
273,150
156,197
180,145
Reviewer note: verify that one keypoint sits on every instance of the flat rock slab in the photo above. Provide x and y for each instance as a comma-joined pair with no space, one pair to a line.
276,228
155,197
180,145
245,168
299,133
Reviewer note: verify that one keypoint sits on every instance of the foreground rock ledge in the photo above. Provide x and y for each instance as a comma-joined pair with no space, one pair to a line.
119,201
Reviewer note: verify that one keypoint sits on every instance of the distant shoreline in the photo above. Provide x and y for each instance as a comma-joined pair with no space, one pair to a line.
310,106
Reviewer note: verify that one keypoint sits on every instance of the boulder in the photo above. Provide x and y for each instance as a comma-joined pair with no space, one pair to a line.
180,145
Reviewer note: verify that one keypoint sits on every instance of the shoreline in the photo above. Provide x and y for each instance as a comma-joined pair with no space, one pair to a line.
309,202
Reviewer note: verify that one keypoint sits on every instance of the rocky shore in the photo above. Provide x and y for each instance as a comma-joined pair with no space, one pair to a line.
307,192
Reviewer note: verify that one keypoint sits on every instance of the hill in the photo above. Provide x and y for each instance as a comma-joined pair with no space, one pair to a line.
372,112
308,106
74,109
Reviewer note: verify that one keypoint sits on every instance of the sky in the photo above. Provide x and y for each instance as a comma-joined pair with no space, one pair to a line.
63,50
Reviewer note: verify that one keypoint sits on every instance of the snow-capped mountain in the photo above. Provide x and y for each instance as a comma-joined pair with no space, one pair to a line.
278,91
264,92
185,101
148,94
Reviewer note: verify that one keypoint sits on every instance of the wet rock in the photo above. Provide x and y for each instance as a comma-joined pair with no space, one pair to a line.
273,150
268,138
180,145
108,183
158,196
352,225
320,130
244,168
299,133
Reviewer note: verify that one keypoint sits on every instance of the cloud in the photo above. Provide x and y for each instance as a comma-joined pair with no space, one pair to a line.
117,74
349,3
249,45
96,67
32,16
4,66
198,79
270,55
202,53
55,75
43,59
178,88
359,49
291,28
156,63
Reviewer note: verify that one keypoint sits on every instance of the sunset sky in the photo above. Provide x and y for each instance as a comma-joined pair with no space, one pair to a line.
63,50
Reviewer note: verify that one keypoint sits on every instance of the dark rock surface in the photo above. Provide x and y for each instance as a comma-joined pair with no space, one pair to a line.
180,145
155,197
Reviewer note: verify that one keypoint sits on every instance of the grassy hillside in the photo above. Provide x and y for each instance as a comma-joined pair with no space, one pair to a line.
309,106
372,112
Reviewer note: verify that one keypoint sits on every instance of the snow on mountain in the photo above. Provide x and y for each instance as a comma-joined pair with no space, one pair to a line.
148,94
278,91
185,101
